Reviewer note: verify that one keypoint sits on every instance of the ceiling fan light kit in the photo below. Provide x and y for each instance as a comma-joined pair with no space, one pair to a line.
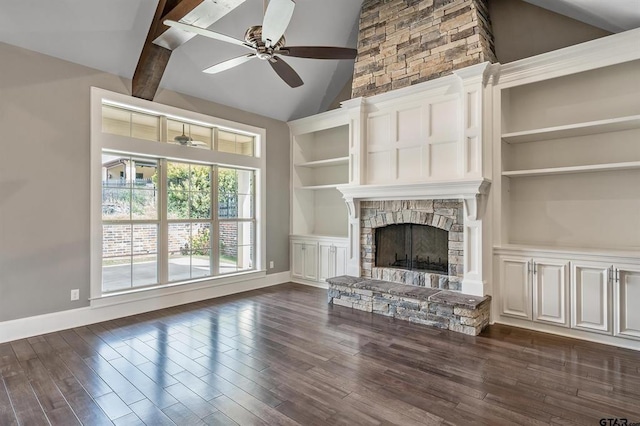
260,39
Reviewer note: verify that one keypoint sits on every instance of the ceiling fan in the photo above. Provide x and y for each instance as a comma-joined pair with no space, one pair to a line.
267,42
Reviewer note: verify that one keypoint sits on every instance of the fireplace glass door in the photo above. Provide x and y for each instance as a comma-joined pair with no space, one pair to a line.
413,247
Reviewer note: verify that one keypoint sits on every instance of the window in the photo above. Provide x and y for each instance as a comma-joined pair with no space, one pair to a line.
236,215
119,121
129,222
170,214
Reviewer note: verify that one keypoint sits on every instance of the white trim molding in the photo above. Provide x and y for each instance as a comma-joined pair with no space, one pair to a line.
48,323
471,191
602,52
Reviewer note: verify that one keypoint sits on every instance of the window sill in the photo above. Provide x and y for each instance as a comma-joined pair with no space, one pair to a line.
136,295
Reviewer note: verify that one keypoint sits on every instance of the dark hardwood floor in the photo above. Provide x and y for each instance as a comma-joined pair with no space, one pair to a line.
282,356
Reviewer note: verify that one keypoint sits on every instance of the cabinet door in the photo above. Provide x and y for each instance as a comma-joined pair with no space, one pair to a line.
627,292
591,297
550,291
297,259
515,290
340,253
325,261
311,261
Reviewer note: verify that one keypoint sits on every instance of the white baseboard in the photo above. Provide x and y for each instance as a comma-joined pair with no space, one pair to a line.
569,332
48,323
310,283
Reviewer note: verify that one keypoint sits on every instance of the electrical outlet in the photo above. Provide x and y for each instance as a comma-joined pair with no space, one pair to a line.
75,294
271,264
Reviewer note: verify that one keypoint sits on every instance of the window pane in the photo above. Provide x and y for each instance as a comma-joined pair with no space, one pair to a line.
226,142
116,240
116,273
200,205
235,143
178,204
245,206
145,126
200,178
189,250
145,239
144,204
116,121
116,203
145,270
178,176
179,265
235,193
236,246
174,128
200,263
201,136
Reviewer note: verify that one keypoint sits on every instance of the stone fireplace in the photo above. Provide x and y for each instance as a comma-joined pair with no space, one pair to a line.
417,242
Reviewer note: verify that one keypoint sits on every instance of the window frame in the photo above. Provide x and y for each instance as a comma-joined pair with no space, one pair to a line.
127,145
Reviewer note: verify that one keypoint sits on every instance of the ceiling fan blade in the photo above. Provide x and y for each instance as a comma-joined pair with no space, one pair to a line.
285,72
223,66
318,52
206,33
276,20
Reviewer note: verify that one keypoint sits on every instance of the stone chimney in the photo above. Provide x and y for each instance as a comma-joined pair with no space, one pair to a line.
405,42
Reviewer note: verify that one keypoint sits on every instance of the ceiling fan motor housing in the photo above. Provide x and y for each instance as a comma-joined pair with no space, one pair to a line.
253,36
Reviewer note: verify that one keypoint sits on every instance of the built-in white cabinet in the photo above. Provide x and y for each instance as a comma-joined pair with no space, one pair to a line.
304,259
515,286
314,259
332,259
534,289
626,279
570,289
550,291
591,301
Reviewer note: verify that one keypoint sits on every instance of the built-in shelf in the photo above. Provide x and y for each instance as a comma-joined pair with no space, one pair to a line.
574,169
573,130
316,187
325,163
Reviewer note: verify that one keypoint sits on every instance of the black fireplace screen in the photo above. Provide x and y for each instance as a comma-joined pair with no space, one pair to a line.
413,247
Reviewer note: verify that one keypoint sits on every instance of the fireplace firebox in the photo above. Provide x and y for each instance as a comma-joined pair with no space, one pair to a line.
412,247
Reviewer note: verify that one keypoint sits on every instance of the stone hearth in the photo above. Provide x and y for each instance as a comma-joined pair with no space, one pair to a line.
449,310
442,214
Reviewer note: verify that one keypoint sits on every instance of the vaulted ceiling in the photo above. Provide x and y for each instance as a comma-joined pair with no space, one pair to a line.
109,36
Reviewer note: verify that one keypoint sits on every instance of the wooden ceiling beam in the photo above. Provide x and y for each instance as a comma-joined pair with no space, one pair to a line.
154,59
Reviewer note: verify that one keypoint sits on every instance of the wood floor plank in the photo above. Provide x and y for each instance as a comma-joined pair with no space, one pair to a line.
24,400
150,414
150,389
7,415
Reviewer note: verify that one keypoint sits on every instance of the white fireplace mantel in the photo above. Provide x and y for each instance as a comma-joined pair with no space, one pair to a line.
472,191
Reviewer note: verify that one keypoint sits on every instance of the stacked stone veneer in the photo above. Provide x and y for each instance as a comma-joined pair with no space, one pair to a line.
405,42
443,214
444,309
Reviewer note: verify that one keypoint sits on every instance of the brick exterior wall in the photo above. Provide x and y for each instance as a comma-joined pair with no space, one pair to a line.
116,239
405,42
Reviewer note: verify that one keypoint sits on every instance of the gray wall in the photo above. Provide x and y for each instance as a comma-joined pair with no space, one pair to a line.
521,30
44,178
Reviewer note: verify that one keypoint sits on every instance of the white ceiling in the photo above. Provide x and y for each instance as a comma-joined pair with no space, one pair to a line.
109,35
